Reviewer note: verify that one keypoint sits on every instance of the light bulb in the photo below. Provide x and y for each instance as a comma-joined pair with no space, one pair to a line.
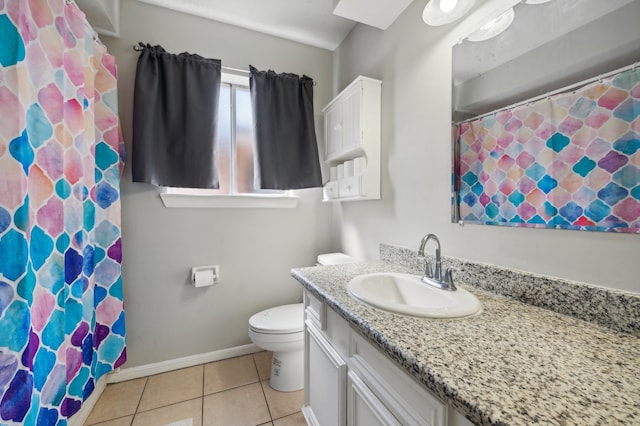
494,27
442,12
489,24
447,6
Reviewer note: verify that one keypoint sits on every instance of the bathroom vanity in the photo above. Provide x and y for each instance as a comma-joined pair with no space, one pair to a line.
349,381
513,364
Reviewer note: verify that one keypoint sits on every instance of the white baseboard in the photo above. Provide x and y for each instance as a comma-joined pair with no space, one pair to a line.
124,374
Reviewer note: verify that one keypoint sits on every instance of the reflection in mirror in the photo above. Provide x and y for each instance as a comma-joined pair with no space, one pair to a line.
548,46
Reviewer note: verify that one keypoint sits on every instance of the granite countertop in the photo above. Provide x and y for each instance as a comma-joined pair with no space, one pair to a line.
513,364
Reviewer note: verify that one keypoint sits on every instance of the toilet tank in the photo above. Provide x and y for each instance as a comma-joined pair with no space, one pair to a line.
334,259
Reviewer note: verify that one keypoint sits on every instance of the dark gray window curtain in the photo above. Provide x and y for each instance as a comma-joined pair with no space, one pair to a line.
284,131
174,119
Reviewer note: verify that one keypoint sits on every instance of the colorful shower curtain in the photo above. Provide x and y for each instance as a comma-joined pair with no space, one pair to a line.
61,312
570,161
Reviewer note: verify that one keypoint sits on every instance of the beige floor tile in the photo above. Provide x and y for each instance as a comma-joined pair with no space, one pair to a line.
122,421
263,362
181,411
229,373
172,387
236,407
296,419
117,400
282,404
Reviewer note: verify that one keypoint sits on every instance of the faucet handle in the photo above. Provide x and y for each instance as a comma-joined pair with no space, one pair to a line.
448,277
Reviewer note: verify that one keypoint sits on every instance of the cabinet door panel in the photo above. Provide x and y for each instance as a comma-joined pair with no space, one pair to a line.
333,130
364,408
327,372
351,118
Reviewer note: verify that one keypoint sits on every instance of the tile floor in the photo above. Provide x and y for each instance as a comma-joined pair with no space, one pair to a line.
231,392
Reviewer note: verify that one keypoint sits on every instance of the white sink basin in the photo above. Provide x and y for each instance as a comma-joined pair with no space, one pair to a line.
406,294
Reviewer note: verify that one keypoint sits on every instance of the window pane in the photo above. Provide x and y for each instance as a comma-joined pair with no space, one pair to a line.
223,141
244,140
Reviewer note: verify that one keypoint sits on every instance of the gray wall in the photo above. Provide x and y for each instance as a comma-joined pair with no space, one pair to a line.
413,61
255,248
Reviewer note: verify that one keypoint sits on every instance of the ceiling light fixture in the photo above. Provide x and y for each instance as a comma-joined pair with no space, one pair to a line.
494,27
537,1
442,12
447,6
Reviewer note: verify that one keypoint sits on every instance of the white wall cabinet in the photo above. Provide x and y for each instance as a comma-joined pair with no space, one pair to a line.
352,131
349,381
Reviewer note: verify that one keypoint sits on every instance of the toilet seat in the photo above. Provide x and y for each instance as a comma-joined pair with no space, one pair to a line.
283,319
280,330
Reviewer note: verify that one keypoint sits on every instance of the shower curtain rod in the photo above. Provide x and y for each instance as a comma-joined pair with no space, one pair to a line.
139,48
553,92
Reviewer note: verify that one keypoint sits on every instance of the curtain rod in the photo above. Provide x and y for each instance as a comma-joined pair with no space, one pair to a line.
139,48
553,92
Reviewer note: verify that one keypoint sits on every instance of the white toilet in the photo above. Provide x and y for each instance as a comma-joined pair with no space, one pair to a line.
281,331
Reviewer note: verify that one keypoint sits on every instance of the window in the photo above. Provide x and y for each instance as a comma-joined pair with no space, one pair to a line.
235,157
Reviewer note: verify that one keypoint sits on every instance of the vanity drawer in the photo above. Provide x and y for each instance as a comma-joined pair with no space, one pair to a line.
331,190
331,325
337,332
315,311
350,187
406,399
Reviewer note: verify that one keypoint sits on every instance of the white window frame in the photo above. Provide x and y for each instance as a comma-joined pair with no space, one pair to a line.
179,198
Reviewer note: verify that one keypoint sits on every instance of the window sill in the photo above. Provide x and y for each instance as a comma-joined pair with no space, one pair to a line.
244,201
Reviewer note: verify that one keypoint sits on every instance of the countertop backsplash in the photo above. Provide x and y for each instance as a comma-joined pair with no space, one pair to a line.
614,309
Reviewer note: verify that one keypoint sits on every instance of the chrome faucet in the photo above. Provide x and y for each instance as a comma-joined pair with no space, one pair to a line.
437,272
434,276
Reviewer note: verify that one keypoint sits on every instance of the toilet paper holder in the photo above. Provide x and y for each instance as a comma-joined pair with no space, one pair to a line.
202,276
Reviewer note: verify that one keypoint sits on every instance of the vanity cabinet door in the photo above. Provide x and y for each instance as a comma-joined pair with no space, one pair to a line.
363,406
325,381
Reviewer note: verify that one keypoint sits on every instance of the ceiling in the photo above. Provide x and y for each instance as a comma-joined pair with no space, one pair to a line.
306,21
320,23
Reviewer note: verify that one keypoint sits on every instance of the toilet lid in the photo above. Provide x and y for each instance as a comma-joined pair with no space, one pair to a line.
279,320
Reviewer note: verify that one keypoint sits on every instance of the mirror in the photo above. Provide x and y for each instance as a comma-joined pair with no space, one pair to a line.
547,47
